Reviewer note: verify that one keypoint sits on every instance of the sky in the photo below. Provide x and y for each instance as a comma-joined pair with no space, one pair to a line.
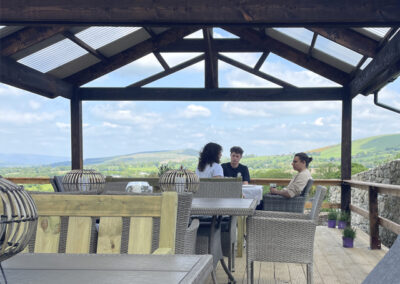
33,124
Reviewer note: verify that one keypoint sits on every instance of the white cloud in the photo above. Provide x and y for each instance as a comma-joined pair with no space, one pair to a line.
63,125
34,104
319,121
12,116
241,109
192,111
111,125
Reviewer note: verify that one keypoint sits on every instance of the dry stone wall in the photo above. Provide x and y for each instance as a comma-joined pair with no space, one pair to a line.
388,206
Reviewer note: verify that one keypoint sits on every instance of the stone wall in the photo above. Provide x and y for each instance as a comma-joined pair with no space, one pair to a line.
388,206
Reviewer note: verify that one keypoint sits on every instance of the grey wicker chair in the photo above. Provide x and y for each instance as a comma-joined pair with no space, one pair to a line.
387,270
283,204
56,182
219,188
283,237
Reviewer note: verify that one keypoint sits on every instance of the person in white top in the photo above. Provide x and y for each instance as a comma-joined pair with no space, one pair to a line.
300,163
209,160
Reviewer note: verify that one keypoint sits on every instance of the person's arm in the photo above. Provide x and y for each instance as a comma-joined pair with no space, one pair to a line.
284,192
246,175
218,172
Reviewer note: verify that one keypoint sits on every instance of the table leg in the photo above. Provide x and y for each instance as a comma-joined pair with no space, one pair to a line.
241,223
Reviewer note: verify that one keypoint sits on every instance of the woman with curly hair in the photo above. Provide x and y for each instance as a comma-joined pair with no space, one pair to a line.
209,160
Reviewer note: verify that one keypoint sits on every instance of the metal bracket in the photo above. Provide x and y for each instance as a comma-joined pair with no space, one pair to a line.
383,105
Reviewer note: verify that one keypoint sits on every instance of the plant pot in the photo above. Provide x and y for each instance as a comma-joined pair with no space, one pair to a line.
331,223
342,224
348,242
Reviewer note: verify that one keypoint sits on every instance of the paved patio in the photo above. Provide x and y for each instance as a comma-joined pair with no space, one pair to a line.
332,262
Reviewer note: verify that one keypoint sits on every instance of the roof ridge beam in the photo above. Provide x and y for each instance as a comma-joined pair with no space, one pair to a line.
31,80
296,56
129,55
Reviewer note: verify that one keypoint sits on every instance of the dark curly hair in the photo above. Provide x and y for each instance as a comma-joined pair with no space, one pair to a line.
209,155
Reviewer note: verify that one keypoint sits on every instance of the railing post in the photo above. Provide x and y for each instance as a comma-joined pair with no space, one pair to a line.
375,242
345,198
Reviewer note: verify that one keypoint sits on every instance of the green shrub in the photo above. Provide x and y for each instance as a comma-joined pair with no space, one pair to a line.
344,216
349,232
332,215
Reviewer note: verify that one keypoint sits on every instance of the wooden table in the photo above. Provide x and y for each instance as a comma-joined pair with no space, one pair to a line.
217,207
111,268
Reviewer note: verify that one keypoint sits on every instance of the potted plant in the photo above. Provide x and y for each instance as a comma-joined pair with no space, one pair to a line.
343,219
332,217
349,234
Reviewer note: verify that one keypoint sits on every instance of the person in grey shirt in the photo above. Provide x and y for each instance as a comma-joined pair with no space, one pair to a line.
300,164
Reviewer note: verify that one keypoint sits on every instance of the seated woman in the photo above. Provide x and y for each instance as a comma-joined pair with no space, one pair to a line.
209,160
300,163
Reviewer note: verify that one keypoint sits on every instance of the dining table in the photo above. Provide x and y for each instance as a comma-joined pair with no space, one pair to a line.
218,207
106,268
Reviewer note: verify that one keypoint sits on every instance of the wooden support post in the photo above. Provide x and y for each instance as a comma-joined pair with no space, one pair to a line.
76,133
375,242
346,151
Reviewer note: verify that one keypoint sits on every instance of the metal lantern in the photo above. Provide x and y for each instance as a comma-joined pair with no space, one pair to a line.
84,180
179,180
18,218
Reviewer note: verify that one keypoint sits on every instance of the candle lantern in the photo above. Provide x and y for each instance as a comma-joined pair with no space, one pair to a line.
179,180
84,180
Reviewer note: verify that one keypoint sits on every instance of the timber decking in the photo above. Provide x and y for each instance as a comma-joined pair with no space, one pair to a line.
332,263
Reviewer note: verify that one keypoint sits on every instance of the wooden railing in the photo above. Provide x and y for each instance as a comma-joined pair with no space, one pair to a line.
372,214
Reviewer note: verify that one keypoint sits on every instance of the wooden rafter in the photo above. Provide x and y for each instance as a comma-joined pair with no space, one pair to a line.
261,60
383,68
211,62
157,54
31,80
219,45
313,41
127,56
217,94
264,41
27,37
207,12
85,46
350,39
168,72
255,72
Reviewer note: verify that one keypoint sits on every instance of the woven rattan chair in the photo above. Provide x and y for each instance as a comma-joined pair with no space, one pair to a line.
283,204
56,182
387,270
220,188
283,237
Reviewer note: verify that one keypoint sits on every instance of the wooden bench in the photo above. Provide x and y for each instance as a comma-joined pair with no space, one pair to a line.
66,223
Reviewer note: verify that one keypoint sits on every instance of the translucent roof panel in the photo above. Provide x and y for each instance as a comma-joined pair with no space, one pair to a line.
381,32
336,50
97,37
53,56
300,34
369,59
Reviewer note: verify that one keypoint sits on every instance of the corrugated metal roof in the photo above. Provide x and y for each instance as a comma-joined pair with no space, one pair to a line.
53,56
97,37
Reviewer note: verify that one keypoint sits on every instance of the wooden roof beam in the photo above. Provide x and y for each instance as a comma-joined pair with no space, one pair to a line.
350,39
127,56
167,72
217,94
261,60
31,80
316,13
264,41
313,41
211,62
157,54
27,37
382,69
255,72
219,45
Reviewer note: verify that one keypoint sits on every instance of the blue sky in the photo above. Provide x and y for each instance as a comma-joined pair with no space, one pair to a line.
37,125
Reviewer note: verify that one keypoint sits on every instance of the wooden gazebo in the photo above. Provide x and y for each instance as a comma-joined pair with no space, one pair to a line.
161,26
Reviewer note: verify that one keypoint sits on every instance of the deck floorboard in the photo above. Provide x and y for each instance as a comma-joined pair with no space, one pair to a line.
332,263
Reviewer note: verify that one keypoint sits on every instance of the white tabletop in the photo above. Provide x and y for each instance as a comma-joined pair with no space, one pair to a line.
223,206
98,269
252,191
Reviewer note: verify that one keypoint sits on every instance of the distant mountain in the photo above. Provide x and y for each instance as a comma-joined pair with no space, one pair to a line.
13,160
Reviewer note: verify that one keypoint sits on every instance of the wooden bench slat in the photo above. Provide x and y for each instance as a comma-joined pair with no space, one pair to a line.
78,236
169,209
139,228
110,232
48,234
97,205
